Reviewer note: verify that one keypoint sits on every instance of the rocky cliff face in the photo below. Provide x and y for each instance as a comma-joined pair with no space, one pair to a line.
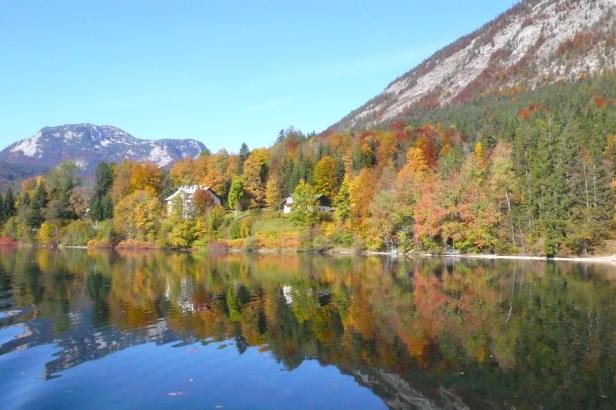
535,42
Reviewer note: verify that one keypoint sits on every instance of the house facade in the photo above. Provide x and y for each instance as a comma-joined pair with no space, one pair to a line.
185,196
287,205
324,204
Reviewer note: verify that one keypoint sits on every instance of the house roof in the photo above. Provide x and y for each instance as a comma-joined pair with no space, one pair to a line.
190,190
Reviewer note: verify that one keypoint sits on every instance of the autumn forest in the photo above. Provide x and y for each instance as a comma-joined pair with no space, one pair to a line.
521,172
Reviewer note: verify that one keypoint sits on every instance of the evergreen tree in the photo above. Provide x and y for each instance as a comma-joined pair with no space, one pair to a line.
34,210
101,205
8,204
243,155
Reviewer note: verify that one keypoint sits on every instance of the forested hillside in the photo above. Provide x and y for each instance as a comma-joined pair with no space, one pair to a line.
519,172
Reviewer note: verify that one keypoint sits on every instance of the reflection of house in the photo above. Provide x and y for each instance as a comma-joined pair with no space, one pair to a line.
185,196
324,204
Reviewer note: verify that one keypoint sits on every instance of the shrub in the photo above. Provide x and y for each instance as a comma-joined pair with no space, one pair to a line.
246,227
77,233
47,234
218,247
105,237
16,228
182,235
7,242
358,246
342,237
235,231
305,240
278,240
251,244
216,217
321,244
136,244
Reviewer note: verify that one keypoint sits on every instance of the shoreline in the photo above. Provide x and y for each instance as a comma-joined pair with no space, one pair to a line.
587,259
605,259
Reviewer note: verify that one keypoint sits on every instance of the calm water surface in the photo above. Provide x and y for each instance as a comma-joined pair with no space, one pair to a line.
173,330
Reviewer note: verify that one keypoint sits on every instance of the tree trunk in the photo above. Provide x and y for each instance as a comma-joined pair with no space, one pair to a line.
510,218
586,186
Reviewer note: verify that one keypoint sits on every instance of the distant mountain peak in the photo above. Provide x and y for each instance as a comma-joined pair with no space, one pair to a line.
535,42
89,144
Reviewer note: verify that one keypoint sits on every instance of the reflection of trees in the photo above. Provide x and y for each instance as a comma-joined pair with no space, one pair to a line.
531,331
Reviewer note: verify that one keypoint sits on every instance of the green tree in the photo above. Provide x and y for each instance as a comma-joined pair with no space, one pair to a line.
34,208
60,184
8,205
236,194
101,205
343,201
305,210
243,155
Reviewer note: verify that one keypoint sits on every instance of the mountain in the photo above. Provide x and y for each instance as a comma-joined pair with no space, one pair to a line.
535,42
87,145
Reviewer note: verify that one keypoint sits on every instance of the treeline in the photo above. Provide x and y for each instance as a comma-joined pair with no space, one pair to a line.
526,172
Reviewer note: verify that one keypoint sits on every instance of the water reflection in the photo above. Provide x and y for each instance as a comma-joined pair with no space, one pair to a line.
424,333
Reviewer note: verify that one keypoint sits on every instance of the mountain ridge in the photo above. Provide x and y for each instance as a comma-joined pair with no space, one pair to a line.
534,42
88,144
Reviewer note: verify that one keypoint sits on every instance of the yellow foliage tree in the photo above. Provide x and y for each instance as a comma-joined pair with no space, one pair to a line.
361,192
255,176
46,234
137,216
480,157
324,176
216,171
273,193
146,177
183,172
415,162
121,180
411,175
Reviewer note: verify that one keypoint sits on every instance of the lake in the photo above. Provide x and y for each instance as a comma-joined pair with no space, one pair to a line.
100,330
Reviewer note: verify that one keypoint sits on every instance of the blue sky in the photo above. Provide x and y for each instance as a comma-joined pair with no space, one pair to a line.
221,72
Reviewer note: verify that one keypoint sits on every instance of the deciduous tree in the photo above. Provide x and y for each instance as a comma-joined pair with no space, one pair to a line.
325,177
255,177
305,211
137,216
236,194
273,193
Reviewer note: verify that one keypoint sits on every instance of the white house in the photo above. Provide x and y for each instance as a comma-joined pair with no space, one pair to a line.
287,205
186,194
324,204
